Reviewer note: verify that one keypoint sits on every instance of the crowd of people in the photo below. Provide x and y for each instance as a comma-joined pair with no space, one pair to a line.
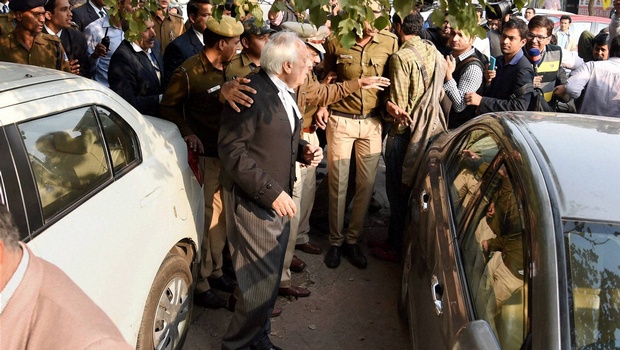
253,101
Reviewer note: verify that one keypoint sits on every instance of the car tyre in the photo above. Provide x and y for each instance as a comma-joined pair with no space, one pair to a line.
403,298
168,309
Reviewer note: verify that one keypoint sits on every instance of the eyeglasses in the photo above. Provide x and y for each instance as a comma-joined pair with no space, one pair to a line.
539,37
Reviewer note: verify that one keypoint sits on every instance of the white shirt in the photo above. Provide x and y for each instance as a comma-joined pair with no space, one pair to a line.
199,35
51,32
11,286
290,105
602,95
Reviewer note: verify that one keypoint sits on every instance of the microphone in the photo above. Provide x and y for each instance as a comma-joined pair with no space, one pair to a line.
534,55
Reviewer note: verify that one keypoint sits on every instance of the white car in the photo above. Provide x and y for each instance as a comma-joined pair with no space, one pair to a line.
106,194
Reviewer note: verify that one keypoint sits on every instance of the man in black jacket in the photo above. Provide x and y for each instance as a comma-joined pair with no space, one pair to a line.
58,22
258,148
189,43
504,90
88,12
135,71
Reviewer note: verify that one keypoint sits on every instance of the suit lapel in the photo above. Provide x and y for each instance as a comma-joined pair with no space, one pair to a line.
193,39
145,61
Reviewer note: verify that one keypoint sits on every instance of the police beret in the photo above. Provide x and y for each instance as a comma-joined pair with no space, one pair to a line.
308,33
251,27
227,26
25,5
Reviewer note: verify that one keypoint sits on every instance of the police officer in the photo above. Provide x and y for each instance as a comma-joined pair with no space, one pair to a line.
253,39
27,44
192,102
168,24
354,123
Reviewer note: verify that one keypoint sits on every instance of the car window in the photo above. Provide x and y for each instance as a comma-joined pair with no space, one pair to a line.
468,163
593,262
493,260
120,138
67,157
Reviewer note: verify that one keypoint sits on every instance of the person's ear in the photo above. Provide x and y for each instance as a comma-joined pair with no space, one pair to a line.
287,67
192,18
48,15
245,42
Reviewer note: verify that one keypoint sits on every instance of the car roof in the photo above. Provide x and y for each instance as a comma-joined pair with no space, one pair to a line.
579,152
20,83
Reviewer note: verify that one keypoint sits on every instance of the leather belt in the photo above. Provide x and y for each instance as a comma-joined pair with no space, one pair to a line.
310,130
354,116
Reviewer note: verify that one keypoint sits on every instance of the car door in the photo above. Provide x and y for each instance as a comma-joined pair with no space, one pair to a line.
441,202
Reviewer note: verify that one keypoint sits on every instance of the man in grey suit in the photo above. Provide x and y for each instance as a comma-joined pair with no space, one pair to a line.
258,148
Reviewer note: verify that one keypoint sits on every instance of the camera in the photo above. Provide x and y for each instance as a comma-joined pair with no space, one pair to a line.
499,9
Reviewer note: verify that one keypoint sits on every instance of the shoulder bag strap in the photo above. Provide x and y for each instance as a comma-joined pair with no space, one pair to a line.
422,67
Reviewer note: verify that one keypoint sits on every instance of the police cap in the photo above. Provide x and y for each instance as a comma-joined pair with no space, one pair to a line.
226,27
308,33
25,5
251,27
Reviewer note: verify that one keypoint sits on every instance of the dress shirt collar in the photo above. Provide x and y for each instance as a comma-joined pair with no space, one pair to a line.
199,35
285,94
514,60
11,286
137,48
97,10
462,57
50,31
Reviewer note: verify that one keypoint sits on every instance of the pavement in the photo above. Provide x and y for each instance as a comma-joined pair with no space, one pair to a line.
349,308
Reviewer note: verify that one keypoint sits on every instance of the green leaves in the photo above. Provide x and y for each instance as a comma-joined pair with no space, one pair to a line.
347,25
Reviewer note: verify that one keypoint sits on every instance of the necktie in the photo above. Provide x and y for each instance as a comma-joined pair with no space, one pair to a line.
5,9
153,60
101,13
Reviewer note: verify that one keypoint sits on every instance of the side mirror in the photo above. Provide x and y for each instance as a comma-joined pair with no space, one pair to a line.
476,335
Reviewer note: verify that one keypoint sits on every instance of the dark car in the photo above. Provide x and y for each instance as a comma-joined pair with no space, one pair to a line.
514,236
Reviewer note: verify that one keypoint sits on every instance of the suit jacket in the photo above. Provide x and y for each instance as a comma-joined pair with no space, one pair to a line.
75,46
178,51
83,15
49,311
256,146
132,75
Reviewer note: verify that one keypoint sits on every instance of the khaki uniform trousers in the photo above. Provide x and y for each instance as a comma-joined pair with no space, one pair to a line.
342,135
303,196
214,239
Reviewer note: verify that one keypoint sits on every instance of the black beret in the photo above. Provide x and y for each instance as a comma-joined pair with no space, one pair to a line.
25,5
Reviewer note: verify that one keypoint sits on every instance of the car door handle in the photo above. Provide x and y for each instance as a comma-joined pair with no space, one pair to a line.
424,197
437,293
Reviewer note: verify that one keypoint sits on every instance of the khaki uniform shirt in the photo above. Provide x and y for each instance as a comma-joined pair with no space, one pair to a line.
6,23
46,52
168,29
191,101
357,62
240,66
312,93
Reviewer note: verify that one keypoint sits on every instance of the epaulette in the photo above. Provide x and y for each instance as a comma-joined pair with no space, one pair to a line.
50,37
387,33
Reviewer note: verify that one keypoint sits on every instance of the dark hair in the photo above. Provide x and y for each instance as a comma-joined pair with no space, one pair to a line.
600,39
570,20
531,8
192,6
412,25
614,47
518,24
541,22
211,39
9,235
50,6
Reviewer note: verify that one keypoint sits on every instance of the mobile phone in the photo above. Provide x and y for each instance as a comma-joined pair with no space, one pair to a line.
491,63
106,42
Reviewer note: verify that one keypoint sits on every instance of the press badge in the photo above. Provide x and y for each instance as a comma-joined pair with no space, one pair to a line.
213,89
